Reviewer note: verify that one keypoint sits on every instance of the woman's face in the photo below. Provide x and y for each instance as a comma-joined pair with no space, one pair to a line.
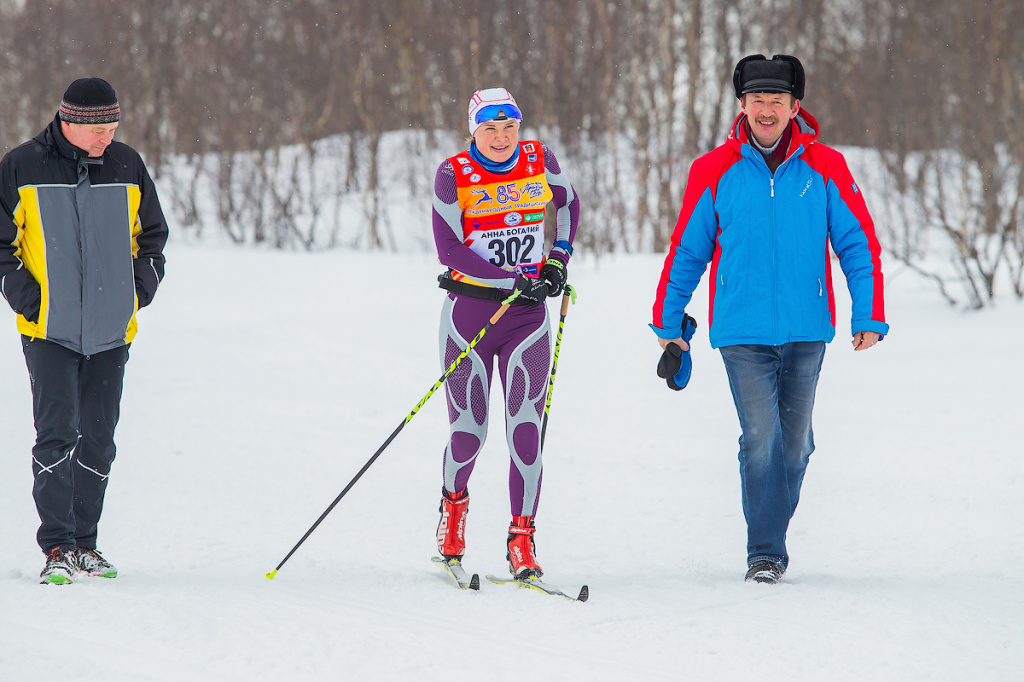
497,140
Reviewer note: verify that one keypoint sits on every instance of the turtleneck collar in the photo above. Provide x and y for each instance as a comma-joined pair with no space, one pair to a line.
492,166
776,154
764,150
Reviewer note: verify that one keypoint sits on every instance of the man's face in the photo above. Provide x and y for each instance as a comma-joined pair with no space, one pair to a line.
769,114
497,140
93,138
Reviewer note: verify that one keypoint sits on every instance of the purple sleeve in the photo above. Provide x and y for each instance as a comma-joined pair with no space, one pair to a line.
567,207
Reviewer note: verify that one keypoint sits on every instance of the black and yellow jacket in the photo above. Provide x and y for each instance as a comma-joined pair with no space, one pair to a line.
81,241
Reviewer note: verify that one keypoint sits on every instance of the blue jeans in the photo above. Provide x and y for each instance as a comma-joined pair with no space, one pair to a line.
773,389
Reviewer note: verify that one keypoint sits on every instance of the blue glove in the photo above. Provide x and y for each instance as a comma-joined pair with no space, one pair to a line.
675,364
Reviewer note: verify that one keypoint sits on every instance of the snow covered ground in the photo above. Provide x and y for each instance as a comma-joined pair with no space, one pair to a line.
260,383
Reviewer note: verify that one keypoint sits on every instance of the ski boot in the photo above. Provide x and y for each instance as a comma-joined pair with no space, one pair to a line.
451,529
522,561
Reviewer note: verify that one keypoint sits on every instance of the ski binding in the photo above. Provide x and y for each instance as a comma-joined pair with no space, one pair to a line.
540,586
455,571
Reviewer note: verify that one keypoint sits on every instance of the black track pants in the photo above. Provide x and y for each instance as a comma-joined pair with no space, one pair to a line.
76,401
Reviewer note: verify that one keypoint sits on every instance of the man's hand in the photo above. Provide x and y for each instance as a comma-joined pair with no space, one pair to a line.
679,342
675,365
865,340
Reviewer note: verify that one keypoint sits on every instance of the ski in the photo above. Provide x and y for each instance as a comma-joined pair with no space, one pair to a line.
457,573
541,586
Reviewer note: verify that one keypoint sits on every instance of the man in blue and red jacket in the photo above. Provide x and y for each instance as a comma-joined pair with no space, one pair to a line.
763,209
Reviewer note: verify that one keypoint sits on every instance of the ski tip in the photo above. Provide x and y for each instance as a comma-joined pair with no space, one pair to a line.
270,576
474,582
584,594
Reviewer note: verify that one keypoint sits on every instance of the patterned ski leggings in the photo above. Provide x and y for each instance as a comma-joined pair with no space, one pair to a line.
521,341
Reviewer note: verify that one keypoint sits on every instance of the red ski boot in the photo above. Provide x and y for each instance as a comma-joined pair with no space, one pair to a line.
451,530
521,559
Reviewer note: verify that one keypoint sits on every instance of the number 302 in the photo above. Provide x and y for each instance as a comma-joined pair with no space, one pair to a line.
512,251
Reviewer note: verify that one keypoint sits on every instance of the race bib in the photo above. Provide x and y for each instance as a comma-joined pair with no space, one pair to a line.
519,249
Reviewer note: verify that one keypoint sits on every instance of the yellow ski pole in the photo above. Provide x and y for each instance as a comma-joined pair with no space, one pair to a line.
447,373
569,293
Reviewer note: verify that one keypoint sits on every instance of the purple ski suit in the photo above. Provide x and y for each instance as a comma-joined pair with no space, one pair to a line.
520,340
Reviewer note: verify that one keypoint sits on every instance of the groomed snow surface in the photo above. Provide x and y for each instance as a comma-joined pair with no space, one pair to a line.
261,382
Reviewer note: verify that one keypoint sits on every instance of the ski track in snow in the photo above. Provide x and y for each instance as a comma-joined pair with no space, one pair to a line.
262,381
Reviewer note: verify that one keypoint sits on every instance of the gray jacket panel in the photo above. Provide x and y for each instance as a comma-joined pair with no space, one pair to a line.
91,292
59,219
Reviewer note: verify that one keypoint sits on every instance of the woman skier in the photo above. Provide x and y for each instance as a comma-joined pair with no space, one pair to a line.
488,221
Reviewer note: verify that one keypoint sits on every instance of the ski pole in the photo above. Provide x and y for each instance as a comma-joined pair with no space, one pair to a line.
569,293
447,373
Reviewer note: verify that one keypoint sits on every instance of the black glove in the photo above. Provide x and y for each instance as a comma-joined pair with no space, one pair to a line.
675,364
556,273
532,291
670,362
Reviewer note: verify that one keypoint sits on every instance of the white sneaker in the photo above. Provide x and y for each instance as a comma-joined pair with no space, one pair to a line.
91,562
60,568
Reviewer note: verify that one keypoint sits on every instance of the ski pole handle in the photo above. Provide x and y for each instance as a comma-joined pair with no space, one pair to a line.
569,292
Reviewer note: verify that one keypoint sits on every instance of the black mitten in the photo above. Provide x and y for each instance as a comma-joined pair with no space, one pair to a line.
675,364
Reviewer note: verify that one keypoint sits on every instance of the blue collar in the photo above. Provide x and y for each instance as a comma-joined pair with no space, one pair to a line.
491,166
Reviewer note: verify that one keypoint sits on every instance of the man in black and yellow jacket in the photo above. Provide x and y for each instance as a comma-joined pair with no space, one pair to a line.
81,251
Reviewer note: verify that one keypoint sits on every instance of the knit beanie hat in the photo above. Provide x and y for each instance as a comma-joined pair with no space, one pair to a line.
90,101
492,104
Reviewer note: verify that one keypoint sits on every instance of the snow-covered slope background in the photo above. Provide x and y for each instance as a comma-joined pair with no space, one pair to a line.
261,382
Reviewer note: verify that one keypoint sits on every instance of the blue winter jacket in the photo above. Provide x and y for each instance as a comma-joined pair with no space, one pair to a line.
767,238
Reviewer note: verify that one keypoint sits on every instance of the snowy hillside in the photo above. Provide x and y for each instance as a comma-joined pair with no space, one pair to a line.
260,382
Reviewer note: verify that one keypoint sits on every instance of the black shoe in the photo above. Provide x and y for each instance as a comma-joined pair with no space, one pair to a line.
765,571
